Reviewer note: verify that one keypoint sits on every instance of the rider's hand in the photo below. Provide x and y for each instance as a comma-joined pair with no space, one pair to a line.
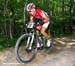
30,25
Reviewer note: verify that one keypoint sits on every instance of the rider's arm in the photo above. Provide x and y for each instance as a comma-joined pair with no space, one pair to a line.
31,18
45,16
30,25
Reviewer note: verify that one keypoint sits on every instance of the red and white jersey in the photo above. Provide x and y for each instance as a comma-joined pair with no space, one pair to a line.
39,14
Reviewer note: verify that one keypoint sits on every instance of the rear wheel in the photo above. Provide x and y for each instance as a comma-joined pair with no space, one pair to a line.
21,49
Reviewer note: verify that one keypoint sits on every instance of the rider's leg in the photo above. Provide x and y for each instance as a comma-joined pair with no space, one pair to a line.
43,31
38,43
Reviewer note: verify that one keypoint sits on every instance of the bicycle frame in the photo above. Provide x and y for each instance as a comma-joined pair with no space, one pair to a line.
30,37
33,33
35,36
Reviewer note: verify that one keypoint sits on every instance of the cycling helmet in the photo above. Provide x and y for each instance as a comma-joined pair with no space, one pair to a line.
30,6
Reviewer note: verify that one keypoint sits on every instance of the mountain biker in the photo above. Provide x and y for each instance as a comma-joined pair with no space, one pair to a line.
36,13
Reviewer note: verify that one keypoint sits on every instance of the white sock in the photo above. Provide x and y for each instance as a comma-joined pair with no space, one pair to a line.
48,43
29,48
41,44
38,45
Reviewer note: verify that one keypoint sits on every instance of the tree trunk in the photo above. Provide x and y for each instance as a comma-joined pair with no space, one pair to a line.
11,35
63,8
5,11
71,15
47,7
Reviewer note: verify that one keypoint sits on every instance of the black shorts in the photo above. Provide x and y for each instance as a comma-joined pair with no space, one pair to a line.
39,21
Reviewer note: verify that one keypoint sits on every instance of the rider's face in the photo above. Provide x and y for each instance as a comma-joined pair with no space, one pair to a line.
32,11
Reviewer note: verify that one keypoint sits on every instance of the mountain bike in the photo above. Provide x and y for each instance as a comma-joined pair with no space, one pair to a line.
27,40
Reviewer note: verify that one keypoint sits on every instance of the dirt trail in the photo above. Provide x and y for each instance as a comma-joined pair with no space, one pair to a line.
60,55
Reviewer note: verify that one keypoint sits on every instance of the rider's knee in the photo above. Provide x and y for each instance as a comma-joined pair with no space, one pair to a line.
42,31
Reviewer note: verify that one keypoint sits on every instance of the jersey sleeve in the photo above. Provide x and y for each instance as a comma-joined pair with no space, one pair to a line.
43,14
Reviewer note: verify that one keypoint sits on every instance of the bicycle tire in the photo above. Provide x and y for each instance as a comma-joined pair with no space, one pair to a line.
17,47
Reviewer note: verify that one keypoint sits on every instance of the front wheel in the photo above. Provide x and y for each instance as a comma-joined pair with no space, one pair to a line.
21,47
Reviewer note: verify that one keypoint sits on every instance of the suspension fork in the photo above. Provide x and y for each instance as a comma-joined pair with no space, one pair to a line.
30,40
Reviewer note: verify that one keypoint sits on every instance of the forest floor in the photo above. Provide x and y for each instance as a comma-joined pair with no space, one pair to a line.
62,54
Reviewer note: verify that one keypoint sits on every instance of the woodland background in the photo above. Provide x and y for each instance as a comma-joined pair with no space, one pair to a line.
61,12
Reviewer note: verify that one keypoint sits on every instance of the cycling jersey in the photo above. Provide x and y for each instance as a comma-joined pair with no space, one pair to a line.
39,14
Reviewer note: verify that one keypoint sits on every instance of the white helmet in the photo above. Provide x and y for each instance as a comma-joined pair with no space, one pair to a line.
30,6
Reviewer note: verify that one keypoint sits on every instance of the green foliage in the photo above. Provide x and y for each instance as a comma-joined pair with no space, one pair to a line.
60,27
11,18
4,43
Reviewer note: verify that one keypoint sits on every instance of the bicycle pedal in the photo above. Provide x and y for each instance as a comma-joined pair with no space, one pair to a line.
40,48
47,48
28,50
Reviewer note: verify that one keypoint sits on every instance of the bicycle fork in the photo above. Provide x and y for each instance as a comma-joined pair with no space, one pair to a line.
30,41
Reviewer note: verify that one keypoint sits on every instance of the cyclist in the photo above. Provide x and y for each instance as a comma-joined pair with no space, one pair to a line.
36,13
